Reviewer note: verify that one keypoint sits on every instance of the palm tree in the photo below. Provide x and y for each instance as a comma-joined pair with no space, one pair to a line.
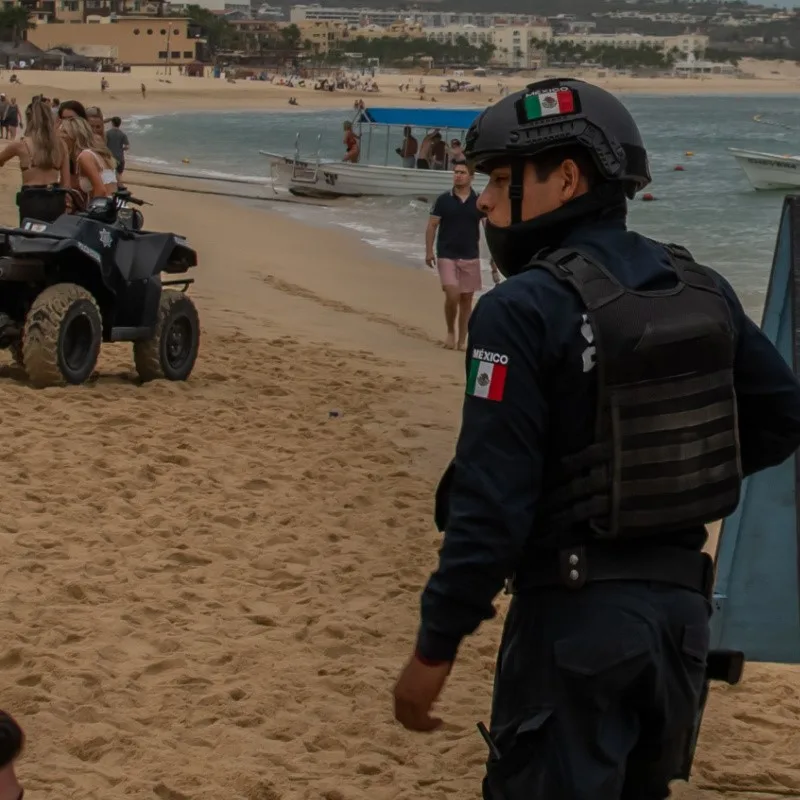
15,22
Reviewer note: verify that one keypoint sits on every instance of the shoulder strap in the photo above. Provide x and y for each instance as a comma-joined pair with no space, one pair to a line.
687,269
592,281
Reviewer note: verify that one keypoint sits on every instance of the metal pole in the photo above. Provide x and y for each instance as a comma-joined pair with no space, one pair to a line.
168,68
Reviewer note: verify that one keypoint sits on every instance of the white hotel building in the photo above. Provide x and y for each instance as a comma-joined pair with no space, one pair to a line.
516,46
385,17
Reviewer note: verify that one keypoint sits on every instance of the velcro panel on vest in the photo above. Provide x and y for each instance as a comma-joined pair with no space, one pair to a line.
666,451
677,453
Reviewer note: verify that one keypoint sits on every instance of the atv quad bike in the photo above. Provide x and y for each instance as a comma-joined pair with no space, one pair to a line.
92,277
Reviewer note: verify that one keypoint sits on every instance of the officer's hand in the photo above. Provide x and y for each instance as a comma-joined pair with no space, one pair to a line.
415,693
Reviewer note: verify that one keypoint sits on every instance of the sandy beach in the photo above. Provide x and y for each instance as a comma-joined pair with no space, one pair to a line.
211,587
175,92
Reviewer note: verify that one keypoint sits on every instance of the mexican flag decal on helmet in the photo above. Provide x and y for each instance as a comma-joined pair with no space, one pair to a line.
549,104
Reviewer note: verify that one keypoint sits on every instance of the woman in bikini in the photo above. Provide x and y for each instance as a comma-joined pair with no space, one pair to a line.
44,165
351,144
94,165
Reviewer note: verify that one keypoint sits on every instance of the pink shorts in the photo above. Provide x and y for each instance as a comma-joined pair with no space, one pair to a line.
461,272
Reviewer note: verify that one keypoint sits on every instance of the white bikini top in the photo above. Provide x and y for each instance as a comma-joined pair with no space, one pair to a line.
107,175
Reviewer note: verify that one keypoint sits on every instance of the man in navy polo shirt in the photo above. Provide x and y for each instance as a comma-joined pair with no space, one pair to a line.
457,220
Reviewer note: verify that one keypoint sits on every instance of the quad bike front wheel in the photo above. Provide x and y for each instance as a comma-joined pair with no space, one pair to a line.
62,336
172,350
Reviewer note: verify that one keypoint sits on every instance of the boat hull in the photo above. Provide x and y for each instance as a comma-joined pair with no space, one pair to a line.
340,179
768,171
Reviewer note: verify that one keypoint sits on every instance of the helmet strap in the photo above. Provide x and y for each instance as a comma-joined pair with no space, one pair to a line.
515,190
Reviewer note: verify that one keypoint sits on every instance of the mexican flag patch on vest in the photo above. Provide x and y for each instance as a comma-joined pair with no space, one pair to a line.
487,375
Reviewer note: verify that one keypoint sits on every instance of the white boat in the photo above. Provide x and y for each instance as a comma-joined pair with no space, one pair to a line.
313,176
768,170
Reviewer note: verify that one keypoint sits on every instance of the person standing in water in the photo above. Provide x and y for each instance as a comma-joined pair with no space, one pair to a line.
351,144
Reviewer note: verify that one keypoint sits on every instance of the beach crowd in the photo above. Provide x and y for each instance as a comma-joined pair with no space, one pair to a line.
67,155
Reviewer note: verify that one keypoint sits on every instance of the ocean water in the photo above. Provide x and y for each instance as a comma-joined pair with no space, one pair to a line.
709,206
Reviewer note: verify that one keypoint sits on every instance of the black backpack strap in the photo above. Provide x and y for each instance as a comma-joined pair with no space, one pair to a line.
688,270
595,285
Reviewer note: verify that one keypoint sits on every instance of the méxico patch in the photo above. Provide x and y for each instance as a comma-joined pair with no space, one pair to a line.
487,375
549,104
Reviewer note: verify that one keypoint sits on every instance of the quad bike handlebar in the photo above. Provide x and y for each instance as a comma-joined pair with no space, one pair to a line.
124,196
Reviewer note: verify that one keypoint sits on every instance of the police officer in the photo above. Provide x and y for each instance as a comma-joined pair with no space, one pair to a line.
616,396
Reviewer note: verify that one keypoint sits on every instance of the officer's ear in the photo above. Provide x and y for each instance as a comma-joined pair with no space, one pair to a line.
572,181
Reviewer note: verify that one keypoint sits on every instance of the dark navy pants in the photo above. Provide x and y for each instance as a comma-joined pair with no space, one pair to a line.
596,691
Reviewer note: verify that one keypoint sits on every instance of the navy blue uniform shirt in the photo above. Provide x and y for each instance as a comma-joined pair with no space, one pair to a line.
459,233
533,330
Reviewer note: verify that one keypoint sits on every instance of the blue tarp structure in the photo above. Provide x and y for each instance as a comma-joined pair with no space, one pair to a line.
757,587
757,592
454,118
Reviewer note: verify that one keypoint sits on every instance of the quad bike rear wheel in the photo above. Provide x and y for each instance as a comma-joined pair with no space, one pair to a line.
62,336
172,350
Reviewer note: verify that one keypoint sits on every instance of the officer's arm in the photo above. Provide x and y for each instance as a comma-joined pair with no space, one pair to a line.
768,395
496,476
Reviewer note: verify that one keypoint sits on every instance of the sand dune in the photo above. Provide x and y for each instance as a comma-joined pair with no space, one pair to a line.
210,587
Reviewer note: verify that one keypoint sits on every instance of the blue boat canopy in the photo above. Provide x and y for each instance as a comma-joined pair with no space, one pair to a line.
455,118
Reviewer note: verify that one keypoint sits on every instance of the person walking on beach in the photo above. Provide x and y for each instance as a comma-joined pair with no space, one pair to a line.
43,164
617,394
454,228
3,109
11,119
117,142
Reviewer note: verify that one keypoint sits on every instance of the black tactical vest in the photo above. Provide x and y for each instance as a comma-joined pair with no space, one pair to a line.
666,450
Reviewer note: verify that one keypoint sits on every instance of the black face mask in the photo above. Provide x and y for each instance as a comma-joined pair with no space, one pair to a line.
514,246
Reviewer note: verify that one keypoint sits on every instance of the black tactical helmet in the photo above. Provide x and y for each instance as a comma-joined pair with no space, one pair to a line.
558,113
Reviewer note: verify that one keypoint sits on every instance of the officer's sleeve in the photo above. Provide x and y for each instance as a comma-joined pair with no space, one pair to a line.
768,395
496,475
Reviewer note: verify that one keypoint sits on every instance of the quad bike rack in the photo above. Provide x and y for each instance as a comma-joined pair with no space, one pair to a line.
185,283
756,598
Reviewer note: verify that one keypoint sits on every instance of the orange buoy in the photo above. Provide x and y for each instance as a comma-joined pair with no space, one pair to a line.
689,153
678,168
647,197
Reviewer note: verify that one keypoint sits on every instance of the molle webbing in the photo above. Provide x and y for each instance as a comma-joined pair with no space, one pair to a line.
666,451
